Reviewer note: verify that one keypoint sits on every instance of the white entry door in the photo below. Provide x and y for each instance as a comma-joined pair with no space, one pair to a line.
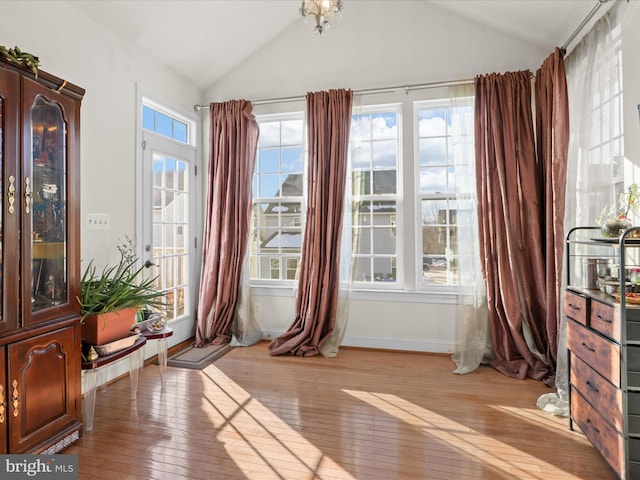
168,236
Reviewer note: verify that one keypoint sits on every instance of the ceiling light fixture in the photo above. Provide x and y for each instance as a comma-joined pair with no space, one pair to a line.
324,12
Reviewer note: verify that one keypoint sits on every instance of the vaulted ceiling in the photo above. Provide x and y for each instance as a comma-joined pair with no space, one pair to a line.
193,36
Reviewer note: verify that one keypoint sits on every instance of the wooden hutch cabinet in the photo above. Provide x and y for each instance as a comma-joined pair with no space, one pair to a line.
40,376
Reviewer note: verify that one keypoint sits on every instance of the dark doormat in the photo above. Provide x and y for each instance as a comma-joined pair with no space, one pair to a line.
198,358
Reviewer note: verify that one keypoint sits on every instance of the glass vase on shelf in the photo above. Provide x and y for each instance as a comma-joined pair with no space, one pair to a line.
614,222
613,227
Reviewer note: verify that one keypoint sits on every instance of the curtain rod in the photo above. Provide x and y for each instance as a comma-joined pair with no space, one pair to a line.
406,88
589,16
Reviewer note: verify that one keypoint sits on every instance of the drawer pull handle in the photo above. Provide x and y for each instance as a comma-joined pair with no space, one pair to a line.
600,317
574,307
591,387
593,427
588,347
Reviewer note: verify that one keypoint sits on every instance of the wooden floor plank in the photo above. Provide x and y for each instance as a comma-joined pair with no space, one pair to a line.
371,415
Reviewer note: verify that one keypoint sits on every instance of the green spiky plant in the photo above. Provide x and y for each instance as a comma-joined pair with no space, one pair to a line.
119,286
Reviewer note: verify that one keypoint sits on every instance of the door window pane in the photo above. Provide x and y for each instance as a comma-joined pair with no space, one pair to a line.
171,229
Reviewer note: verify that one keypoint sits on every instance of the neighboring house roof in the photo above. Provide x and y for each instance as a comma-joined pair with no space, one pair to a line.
288,240
291,187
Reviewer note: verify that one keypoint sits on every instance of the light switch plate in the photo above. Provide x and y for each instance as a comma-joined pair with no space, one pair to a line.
98,221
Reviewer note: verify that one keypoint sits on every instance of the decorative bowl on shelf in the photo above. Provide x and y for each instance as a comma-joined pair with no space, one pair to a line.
156,323
631,298
116,345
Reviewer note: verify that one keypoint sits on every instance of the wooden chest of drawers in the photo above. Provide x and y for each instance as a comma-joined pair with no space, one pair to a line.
604,377
603,341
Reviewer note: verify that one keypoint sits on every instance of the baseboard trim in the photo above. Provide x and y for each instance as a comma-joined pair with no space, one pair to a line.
385,343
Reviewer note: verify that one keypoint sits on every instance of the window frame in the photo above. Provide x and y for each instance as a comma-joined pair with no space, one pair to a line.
283,257
409,287
420,285
191,125
398,258
183,327
609,152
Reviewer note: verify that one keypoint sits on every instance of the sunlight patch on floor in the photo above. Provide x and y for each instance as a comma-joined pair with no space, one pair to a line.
459,437
541,419
256,439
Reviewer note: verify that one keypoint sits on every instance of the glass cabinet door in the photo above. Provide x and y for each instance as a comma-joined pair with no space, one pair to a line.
46,204
1,196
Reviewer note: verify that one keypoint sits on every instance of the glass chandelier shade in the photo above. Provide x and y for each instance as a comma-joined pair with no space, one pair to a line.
323,11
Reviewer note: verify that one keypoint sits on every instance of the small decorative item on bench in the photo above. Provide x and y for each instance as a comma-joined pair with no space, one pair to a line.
113,347
156,322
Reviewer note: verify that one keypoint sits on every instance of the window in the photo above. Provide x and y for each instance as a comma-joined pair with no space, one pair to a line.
443,147
606,151
156,121
376,211
374,149
278,185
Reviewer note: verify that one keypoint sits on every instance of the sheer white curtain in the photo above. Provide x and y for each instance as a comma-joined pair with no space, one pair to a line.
331,346
594,82
471,312
245,330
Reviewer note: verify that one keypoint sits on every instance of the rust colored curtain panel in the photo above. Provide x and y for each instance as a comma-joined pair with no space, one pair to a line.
552,127
328,124
511,224
234,139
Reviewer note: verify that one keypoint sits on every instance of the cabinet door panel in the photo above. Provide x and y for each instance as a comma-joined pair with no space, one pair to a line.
10,213
4,418
42,382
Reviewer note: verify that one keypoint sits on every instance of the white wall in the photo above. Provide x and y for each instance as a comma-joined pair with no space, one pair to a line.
376,44
75,48
372,47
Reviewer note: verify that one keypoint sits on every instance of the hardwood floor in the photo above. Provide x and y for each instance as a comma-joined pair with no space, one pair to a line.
364,415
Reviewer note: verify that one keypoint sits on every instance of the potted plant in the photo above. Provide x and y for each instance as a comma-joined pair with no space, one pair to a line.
614,222
109,300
